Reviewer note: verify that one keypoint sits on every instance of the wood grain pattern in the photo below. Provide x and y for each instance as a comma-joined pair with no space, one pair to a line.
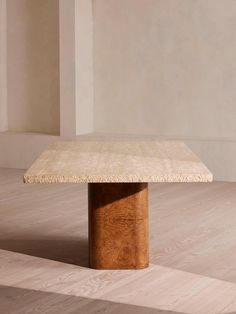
118,225
117,161
44,258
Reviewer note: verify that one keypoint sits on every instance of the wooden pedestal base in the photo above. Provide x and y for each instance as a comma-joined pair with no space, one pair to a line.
118,225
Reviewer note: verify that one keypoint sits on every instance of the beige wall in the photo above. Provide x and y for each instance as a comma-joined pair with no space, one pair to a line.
33,65
3,69
71,92
161,67
167,67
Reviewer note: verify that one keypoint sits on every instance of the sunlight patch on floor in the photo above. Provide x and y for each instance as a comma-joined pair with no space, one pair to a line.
155,287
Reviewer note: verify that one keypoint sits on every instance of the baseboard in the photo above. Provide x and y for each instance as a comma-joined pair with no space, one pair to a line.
19,150
219,154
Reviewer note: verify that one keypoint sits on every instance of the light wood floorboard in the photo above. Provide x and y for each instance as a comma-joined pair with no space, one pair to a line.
43,252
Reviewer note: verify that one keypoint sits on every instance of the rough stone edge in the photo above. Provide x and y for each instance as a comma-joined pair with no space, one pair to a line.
49,179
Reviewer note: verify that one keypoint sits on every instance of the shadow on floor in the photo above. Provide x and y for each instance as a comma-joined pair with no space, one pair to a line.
31,301
66,251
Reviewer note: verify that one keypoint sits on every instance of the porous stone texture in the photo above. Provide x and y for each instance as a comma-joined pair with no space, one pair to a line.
117,161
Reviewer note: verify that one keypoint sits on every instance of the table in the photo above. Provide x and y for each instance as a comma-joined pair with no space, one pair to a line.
117,173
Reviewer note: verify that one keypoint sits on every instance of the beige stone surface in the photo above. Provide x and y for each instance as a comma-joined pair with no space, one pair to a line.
117,161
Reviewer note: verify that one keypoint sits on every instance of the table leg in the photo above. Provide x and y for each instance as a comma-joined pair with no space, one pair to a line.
118,225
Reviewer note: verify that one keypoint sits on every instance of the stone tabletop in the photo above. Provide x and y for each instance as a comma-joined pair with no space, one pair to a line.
117,161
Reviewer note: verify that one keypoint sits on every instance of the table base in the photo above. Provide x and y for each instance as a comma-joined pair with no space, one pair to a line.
118,225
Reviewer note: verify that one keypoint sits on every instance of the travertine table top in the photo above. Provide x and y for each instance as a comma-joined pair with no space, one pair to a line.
117,161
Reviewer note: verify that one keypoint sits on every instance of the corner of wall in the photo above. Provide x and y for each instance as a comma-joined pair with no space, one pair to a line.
84,66
3,66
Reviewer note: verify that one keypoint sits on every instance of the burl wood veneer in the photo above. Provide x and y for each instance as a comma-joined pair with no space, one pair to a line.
118,173
118,225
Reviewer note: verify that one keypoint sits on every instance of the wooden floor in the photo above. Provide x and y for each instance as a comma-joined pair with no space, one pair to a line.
43,252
